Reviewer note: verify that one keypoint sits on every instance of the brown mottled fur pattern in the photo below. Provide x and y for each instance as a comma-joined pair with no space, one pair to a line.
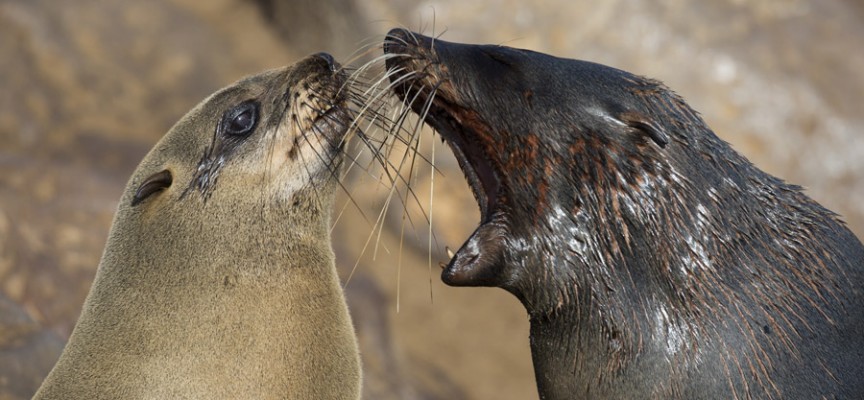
653,260
229,292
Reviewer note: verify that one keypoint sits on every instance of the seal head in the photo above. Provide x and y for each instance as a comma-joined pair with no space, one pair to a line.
474,86
653,260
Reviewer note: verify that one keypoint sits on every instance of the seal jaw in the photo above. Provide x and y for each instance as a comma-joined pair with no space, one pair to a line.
477,262
437,101
480,259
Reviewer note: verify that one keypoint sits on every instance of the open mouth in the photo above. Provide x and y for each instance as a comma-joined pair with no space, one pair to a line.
451,122
476,262
463,129
421,80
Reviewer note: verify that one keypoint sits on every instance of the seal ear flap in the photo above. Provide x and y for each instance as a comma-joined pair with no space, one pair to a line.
646,125
154,183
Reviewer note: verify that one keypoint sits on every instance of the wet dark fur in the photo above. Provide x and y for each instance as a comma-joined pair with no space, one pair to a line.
653,260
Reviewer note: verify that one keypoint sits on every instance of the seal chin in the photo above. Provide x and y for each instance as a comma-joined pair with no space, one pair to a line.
479,261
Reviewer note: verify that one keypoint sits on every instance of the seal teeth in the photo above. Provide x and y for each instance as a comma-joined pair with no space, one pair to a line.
450,254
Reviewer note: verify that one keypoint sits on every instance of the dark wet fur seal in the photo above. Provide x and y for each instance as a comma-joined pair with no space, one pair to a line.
653,260
218,279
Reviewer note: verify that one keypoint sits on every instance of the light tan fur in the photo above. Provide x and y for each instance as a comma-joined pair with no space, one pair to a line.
232,294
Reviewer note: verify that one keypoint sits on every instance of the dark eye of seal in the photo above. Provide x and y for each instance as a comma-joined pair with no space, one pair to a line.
241,119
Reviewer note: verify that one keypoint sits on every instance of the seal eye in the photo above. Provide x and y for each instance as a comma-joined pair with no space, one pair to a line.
241,120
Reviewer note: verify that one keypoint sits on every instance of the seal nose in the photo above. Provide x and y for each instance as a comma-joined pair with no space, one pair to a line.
396,41
331,63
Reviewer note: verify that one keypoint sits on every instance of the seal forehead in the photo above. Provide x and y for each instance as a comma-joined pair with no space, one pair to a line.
193,133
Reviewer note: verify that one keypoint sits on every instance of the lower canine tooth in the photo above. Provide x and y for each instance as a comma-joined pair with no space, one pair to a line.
449,252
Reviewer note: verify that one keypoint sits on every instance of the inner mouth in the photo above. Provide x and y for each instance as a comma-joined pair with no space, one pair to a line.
461,130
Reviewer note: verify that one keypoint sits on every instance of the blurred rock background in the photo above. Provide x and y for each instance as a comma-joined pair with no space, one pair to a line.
87,87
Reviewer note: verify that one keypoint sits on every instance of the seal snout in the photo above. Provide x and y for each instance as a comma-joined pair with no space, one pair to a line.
332,65
405,48
397,41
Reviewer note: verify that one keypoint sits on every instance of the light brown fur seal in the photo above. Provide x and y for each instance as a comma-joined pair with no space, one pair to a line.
218,278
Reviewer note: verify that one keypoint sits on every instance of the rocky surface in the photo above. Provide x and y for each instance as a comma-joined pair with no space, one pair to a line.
89,86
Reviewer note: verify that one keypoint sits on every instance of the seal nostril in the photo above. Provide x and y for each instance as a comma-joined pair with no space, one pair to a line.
396,41
331,63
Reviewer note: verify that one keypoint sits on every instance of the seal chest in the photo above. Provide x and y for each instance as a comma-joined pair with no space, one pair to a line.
653,260
218,278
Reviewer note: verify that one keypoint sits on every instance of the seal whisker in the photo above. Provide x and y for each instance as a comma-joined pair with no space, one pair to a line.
399,264
414,151
388,123
373,100
303,134
359,72
406,141
413,141
431,233
355,158
376,152
410,182
332,165
372,44
379,221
